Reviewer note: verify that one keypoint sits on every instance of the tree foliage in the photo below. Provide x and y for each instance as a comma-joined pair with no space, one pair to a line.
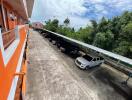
111,34
67,21
104,40
52,25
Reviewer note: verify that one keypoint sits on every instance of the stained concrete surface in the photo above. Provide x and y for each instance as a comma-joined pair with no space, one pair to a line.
53,76
47,78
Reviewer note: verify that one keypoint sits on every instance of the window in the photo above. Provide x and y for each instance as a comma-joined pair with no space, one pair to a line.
1,20
101,58
97,58
94,59
87,57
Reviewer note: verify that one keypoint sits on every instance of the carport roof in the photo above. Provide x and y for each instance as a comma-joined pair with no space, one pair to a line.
105,52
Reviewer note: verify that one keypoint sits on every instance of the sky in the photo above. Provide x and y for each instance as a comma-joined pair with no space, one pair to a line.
80,12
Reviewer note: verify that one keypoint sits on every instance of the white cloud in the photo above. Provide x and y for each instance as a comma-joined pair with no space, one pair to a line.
76,11
62,9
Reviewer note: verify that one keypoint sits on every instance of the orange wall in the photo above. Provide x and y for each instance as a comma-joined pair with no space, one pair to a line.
12,24
9,9
7,72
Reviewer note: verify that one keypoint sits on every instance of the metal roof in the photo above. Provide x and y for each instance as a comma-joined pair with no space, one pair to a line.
108,53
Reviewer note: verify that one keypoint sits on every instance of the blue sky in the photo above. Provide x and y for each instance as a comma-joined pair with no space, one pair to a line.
80,12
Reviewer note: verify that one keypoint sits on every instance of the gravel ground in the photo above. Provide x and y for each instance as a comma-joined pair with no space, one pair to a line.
52,75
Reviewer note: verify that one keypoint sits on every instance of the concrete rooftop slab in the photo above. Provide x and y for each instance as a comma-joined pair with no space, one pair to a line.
47,77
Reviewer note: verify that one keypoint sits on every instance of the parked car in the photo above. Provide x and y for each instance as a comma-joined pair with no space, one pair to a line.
87,61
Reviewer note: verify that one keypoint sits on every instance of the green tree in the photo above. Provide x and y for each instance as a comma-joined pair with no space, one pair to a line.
104,40
103,25
94,29
85,35
94,25
127,32
125,41
67,21
124,48
52,25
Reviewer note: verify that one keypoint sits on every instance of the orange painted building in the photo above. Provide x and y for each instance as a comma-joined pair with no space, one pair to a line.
14,15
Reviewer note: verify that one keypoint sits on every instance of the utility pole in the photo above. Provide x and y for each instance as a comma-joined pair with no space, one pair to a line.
126,81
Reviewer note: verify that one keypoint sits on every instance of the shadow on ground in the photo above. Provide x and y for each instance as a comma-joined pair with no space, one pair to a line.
107,78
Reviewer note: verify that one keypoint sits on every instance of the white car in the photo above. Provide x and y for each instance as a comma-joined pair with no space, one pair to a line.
88,61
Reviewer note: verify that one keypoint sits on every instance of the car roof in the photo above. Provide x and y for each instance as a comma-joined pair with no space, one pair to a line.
93,56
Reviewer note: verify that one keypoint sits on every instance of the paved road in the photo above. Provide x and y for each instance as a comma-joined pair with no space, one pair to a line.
52,75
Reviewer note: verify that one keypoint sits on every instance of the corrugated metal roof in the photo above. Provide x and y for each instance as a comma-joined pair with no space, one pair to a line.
108,53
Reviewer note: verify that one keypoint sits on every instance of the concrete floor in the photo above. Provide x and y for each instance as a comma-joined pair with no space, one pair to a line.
53,75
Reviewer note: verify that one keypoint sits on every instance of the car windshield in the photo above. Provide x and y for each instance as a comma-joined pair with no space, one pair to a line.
87,57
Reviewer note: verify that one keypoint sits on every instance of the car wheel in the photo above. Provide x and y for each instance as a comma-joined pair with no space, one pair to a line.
82,67
100,64
87,67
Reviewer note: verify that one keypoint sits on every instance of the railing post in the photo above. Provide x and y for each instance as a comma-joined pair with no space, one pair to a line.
0,30
118,62
28,30
17,32
1,42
